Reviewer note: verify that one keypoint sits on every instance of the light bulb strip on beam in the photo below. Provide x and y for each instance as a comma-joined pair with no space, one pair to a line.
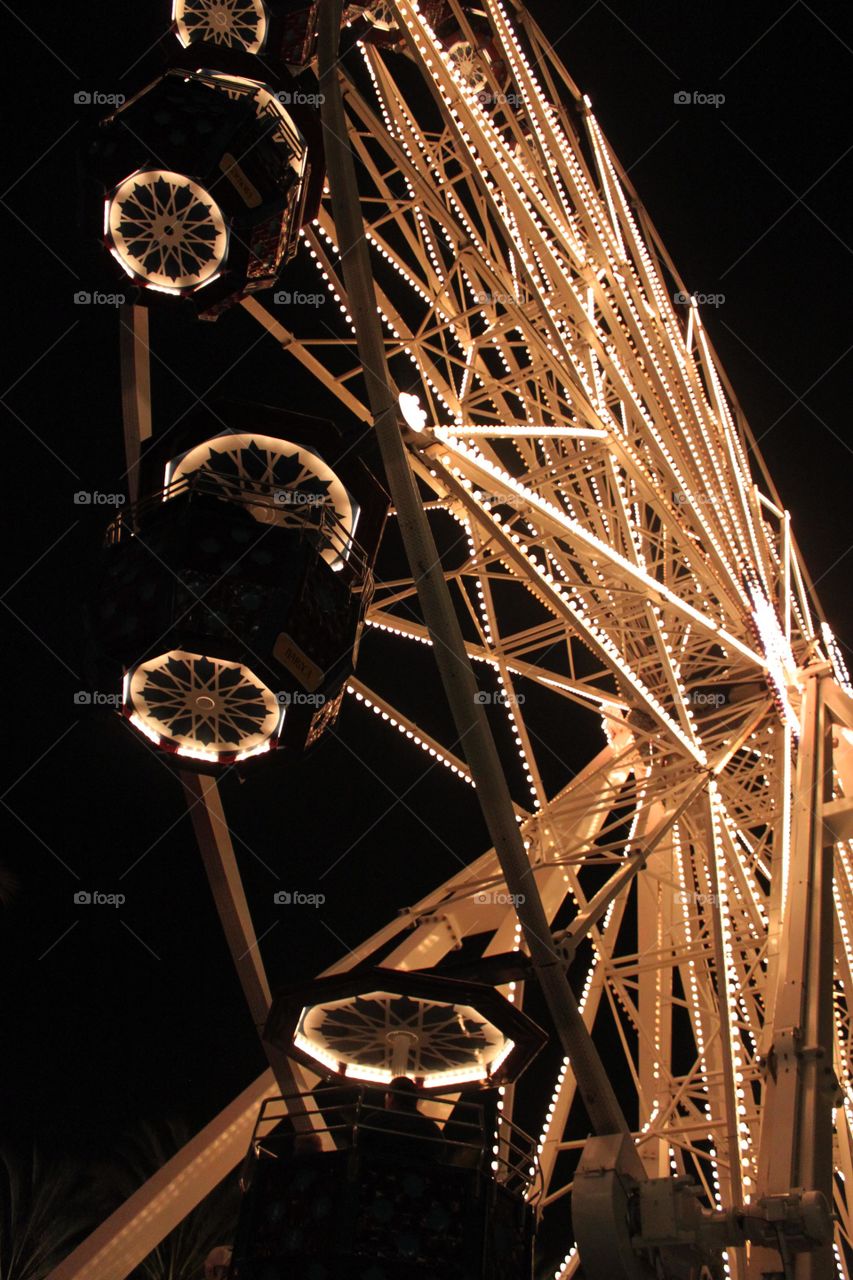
548,510
409,730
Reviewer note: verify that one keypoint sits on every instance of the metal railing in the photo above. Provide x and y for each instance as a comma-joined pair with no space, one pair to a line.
311,516
343,1117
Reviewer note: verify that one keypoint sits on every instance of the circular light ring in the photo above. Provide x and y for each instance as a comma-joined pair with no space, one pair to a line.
202,708
362,1035
465,60
229,23
166,230
294,480
479,1036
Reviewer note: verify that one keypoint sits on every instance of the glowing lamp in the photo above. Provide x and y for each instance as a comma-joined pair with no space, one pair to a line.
375,1025
410,407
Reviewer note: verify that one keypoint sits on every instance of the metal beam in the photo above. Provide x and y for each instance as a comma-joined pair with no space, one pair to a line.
226,885
838,819
139,1225
135,363
797,1136
453,663
113,1250
121,1242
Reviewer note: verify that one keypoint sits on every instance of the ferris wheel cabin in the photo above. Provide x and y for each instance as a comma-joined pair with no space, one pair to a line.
234,591
338,1183
206,178
385,1170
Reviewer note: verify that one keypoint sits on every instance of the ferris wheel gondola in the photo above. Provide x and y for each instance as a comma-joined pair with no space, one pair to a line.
234,590
206,180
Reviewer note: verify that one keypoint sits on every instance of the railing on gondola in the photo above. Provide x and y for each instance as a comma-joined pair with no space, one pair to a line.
311,516
343,1117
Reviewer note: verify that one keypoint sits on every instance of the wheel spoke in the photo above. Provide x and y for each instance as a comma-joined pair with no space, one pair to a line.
203,705
223,22
167,230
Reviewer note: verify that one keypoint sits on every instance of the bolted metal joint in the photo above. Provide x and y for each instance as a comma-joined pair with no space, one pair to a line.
629,1229
784,1051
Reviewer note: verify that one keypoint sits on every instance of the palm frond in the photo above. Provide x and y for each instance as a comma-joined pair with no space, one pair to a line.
181,1255
45,1210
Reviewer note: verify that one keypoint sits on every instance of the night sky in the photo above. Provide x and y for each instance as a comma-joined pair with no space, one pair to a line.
114,1014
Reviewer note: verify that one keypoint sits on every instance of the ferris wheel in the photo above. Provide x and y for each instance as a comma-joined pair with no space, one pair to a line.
618,563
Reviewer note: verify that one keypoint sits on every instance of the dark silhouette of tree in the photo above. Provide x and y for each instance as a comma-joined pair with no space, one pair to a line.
9,885
46,1208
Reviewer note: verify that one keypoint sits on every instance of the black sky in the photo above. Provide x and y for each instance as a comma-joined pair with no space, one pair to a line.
112,1014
